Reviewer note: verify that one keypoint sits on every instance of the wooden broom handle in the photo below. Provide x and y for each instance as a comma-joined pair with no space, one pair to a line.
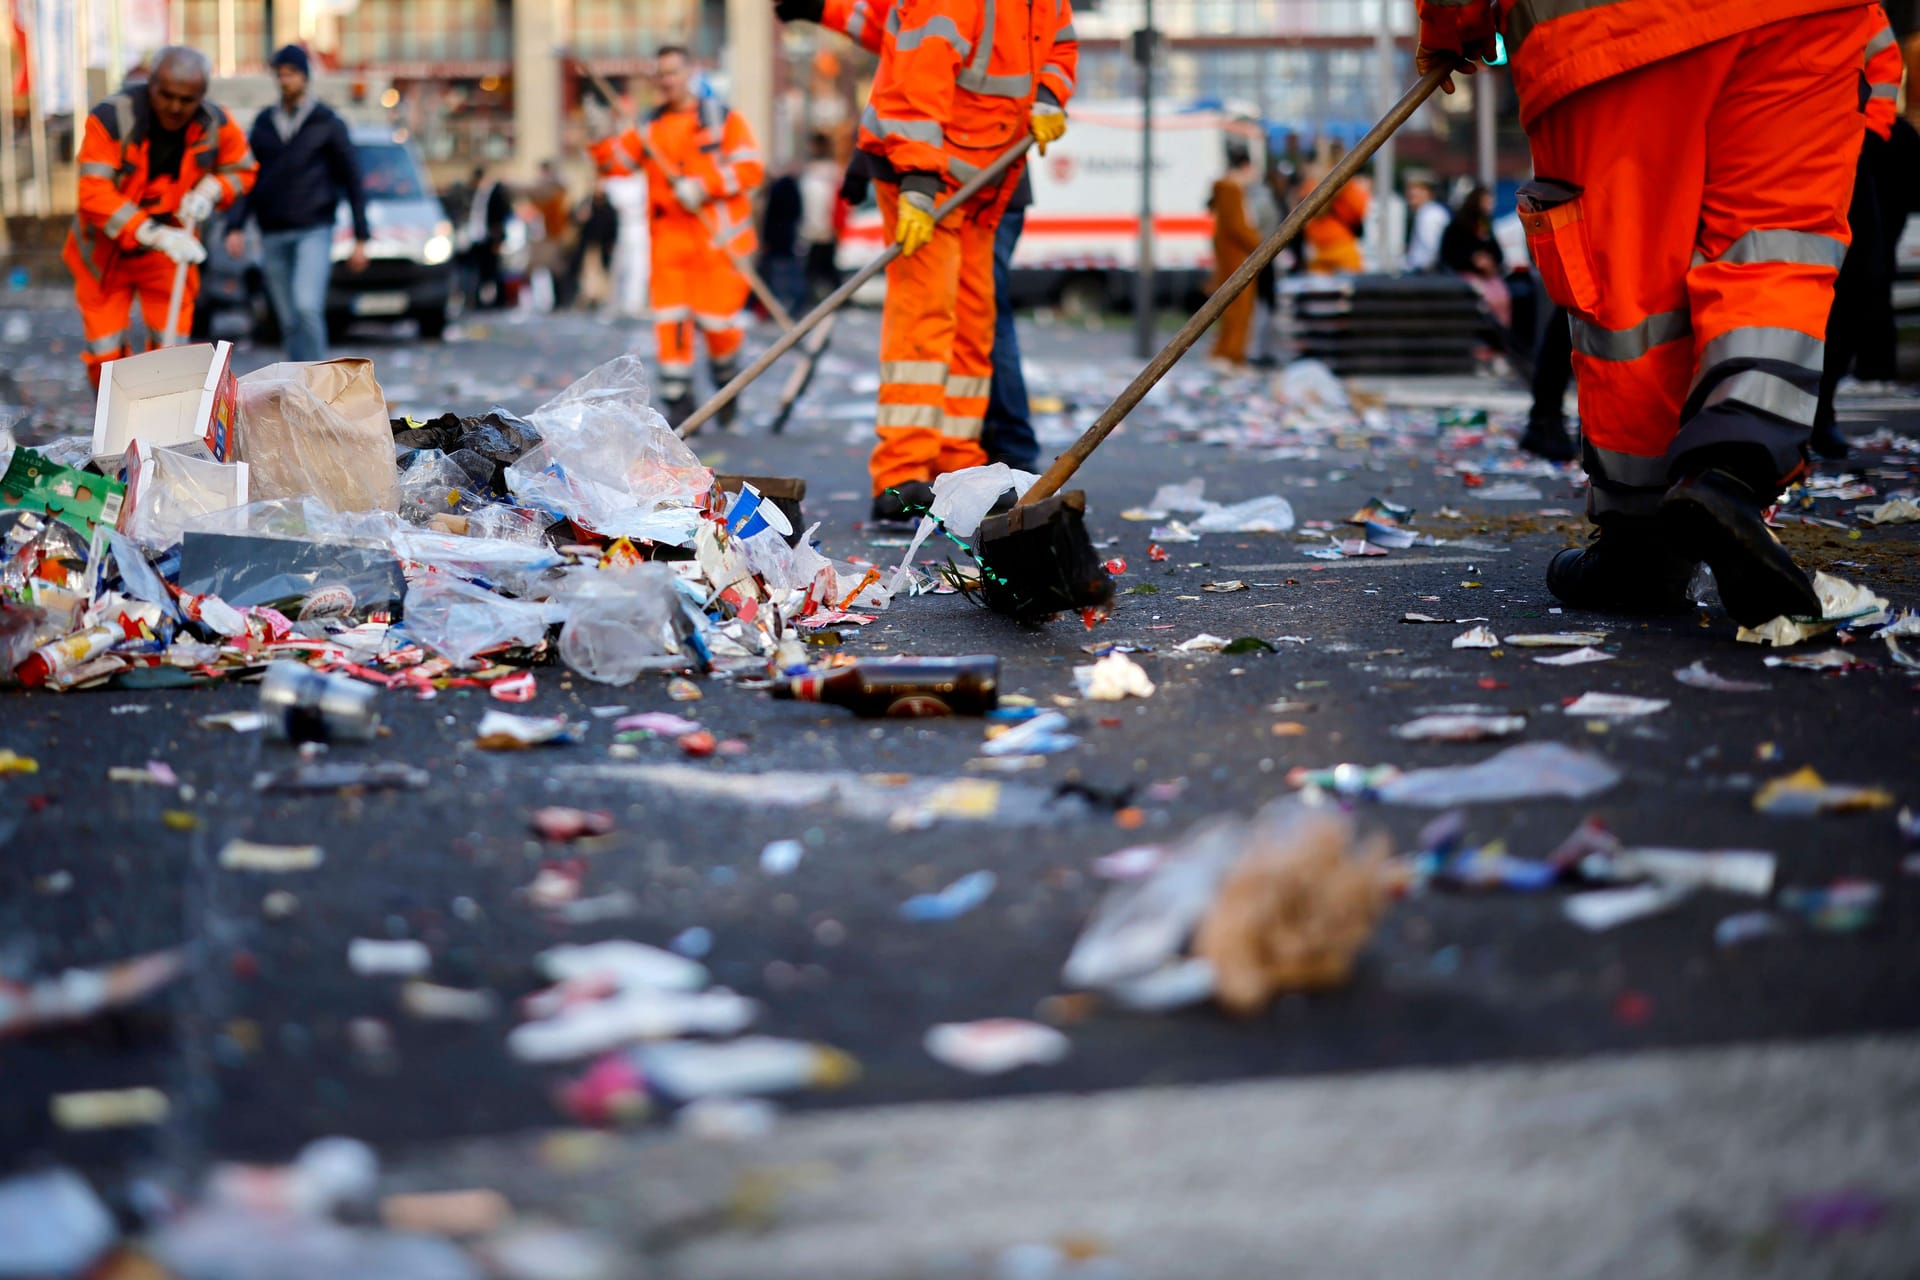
1315,202
835,300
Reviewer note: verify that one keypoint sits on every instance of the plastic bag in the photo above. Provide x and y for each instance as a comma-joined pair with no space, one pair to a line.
1271,514
608,461
432,483
459,620
1528,771
617,623
498,439
318,430
508,523
961,500
1310,382
167,488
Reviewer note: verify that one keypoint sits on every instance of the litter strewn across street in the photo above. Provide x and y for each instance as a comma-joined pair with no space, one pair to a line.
493,787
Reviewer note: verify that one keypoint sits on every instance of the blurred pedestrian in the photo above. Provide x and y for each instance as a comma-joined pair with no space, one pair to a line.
1469,250
1863,292
596,236
1263,211
1333,238
700,211
1427,221
154,163
1702,157
307,167
487,219
781,264
548,258
1546,435
821,216
1234,240
1007,434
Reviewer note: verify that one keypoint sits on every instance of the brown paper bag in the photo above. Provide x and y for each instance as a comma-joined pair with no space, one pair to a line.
318,430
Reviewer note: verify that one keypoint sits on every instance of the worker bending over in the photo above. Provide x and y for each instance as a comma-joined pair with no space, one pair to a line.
156,161
960,81
700,219
1695,160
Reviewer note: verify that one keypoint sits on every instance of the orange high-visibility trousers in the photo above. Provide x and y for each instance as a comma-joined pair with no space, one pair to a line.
936,344
1697,261
106,305
695,289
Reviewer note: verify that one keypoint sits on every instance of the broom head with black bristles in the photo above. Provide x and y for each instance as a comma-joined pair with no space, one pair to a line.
1038,560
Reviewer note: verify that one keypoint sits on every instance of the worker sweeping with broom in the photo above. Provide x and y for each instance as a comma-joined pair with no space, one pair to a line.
1696,158
959,82
155,160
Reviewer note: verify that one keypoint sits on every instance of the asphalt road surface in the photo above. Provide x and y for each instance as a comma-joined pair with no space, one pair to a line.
270,1040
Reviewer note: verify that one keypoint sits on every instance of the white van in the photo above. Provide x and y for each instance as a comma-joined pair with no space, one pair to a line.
1082,235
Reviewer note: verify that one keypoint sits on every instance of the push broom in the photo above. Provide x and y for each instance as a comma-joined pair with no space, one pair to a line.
1036,559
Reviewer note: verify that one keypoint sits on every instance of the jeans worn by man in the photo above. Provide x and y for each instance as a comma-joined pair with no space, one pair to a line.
1007,435
296,266
307,167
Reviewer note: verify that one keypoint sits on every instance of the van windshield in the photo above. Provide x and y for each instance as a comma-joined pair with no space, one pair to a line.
387,172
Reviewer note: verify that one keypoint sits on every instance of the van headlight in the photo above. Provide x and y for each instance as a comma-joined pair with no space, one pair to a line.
437,249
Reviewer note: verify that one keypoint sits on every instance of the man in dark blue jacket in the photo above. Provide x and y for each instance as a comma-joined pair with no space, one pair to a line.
307,167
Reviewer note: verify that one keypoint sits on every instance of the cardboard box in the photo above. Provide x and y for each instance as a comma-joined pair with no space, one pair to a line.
177,395
168,486
78,499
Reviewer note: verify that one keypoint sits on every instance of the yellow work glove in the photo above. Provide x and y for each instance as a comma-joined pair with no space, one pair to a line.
913,225
1047,123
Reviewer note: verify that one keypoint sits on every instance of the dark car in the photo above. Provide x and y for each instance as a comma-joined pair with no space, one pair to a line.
410,269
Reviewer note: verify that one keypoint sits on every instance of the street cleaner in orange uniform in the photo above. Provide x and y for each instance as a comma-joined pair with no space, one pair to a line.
700,220
959,82
1695,162
154,161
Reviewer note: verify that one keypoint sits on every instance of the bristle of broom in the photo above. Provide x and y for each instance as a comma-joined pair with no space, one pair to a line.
1039,560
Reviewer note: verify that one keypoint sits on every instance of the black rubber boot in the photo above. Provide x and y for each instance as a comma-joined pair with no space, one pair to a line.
1828,442
1628,566
723,372
905,502
1717,516
1548,440
676,402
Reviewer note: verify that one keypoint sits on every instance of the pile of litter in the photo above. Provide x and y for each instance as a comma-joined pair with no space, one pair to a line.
213,525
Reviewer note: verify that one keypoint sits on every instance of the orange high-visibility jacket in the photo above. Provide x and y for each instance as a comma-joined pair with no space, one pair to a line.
1885,67
117,194
957,78
713,143
1556,47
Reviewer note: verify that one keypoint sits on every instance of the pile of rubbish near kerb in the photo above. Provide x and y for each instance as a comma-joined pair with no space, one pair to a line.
214,524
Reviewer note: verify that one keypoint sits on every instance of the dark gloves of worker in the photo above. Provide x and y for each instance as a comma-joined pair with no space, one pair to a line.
799,10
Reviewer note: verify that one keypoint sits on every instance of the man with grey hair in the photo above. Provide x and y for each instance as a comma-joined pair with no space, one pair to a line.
155,162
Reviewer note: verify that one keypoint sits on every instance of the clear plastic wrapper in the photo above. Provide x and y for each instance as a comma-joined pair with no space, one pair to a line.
1528,771
318,430
618,624
459,620
168,487
509,523
609,462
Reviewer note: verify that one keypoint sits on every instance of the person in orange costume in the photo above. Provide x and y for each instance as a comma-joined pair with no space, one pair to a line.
959,82
154,161
1695,161
1862,311
700,217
